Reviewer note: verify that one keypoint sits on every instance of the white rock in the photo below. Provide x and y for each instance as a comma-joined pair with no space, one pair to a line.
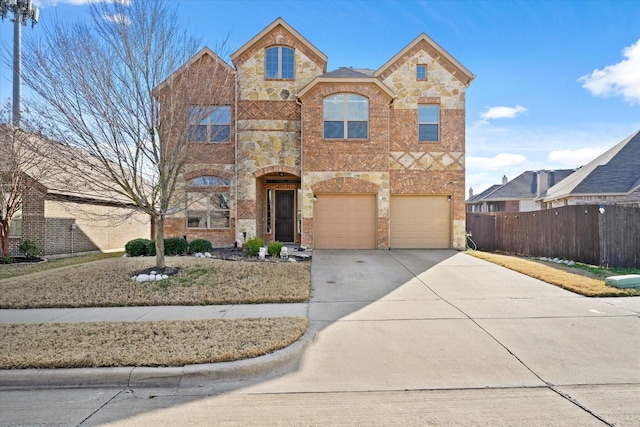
164,276
292,260
152,272
199,255
143,278
571,263
207,255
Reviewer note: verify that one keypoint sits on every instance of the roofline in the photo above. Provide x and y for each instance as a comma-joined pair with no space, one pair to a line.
566,196
470,76
267,30
321,79
191,61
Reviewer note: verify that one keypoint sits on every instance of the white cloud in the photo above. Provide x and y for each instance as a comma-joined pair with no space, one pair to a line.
46,3
499,161
499,113
118,19
621,79
575,158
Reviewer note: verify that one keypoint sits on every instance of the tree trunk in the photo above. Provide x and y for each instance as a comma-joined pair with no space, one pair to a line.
159,223
4,238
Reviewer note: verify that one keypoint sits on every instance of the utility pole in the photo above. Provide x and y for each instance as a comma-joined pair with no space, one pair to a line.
23,11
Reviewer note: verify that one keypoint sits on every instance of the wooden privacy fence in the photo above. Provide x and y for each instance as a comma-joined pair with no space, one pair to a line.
578,233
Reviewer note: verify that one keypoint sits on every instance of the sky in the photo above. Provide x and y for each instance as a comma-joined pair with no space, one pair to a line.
557,82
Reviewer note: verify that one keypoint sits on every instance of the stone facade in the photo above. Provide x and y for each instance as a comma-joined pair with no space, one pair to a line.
279,143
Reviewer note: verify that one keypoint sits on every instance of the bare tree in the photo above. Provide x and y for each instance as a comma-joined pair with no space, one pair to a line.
120,88
21,167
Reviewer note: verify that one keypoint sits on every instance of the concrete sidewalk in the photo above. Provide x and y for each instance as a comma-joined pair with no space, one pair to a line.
399,338
116,314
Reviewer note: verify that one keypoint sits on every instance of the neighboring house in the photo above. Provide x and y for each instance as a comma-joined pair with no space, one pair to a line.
352,158
611,178
63,213
521,194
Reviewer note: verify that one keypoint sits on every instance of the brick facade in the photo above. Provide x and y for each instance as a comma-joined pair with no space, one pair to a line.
278,143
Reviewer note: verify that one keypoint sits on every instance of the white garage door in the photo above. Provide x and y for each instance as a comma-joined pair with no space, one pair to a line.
344,221
420,222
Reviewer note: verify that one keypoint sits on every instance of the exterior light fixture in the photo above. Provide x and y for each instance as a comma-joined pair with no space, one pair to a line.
23,12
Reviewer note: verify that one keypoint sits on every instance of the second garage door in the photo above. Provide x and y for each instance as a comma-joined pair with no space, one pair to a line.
420,222
344,221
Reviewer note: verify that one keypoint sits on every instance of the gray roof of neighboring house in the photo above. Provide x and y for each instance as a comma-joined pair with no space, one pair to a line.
522,187
349,73
616,171
480,196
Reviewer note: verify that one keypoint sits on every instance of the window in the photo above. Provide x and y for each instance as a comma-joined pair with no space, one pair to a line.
346,116
428,123
279,63
209,124
15,228
268,210
208,202
421,72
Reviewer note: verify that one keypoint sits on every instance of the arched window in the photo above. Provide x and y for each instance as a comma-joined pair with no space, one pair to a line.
208,202
279,63
346,116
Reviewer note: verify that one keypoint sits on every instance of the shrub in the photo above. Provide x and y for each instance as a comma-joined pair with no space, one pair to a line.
274,248
200,245
252,247
151,248
30,248
137,247
6,260
175,246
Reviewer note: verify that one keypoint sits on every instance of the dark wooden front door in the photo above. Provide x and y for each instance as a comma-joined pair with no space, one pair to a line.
284,216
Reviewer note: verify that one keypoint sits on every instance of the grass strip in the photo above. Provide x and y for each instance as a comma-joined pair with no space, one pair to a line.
20,269
161,343
576,282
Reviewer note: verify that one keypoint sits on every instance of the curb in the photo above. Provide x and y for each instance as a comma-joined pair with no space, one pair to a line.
129,377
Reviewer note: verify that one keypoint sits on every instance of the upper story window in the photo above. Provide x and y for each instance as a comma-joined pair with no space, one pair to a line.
428,123
279,63
421,72
346,116
209,124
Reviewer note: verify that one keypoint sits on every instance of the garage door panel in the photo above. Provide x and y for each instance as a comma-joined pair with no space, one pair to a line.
420,222
345,221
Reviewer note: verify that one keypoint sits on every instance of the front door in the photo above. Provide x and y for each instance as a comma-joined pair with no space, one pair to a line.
284,216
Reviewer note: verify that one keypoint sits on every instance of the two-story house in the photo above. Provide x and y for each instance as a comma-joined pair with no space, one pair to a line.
352,158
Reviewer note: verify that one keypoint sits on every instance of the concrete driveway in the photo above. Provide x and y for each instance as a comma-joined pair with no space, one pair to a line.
408,337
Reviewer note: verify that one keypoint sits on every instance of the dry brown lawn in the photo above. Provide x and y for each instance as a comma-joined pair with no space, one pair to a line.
201,281
162,343
576,281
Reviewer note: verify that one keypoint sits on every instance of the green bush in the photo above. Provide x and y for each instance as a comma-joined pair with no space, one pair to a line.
274,248
6,260
30,248
137,247
200,245
175,246
151,248
252,247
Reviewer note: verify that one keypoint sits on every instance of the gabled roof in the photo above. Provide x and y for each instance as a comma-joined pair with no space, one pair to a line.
479,197
271,27
615,172
457,69
350,73
195,58
347,75
522,187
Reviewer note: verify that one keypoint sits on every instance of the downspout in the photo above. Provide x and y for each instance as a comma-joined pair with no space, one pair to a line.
301,169
389,173
235,151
